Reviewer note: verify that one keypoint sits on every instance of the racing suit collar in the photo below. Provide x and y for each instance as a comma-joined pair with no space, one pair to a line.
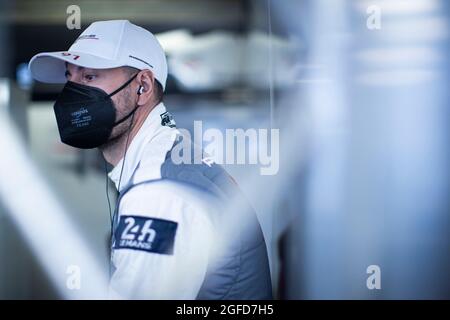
150,129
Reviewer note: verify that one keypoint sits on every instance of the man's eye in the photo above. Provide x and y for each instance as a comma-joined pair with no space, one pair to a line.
89,77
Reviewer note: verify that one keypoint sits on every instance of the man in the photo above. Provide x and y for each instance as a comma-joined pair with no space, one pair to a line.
169,239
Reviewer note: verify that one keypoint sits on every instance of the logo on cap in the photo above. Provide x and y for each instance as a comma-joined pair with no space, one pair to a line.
87,37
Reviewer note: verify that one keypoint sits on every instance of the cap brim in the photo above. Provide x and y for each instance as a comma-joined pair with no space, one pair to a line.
50,67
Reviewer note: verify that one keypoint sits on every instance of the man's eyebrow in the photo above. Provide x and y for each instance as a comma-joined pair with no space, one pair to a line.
77,67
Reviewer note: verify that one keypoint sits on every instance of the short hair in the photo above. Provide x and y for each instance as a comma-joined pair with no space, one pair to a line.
158,90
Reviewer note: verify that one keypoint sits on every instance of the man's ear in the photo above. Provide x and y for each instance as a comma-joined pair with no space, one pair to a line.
146,87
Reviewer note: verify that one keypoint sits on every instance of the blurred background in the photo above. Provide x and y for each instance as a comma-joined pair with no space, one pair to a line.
358,90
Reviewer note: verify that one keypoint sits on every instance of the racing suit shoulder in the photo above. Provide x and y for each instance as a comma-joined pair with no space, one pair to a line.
175,264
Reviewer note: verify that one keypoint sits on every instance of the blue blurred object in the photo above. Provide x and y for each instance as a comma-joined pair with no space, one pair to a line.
23,76
374,190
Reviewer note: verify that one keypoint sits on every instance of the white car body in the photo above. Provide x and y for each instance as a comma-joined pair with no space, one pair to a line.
218,60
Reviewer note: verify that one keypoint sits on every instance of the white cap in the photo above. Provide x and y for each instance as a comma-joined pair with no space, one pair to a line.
104,44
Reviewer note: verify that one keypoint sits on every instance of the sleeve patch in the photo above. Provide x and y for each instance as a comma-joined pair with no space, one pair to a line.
146,234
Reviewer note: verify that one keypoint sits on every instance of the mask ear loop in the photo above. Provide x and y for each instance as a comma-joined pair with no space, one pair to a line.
123,86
